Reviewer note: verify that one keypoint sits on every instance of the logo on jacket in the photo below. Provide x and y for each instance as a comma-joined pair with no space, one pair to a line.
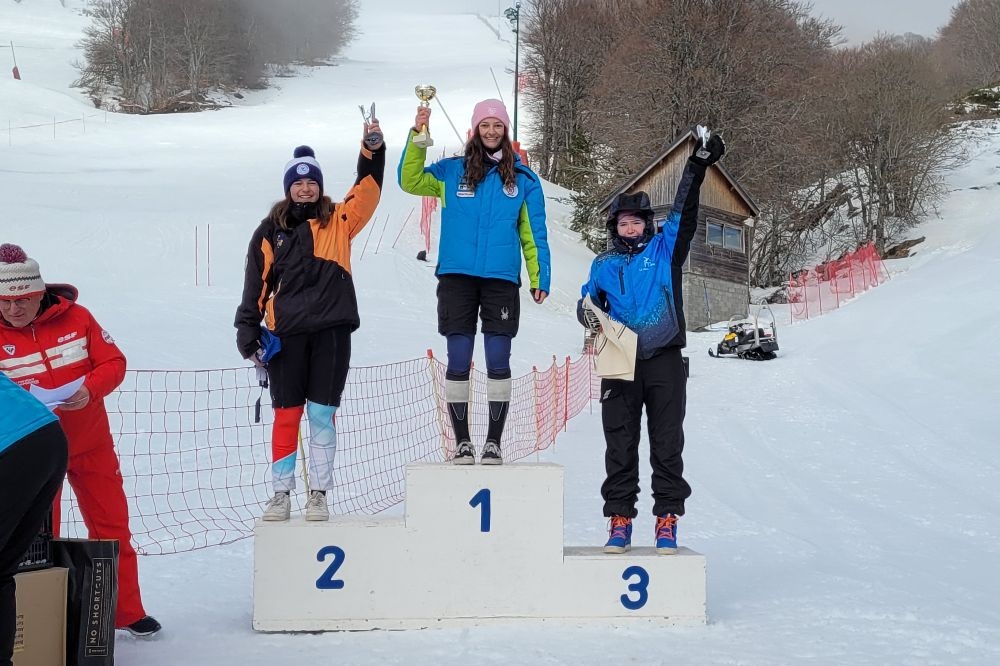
279,239
9,349
647,263
66,338
504,314
510,190
107,337
465,188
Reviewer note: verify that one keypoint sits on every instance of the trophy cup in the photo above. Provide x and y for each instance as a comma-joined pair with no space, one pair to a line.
425,93
704,134
374,138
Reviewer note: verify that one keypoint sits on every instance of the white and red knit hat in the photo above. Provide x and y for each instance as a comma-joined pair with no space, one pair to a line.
19,274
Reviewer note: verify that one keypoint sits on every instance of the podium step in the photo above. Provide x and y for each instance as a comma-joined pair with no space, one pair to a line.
477,544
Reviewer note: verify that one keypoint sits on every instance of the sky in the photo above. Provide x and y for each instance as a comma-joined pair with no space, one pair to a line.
844,493
863,19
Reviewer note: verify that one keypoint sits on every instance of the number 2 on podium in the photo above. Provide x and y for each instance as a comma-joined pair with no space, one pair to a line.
482,498
327,580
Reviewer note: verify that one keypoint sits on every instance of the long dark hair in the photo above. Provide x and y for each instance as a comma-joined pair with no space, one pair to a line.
477,156
280,212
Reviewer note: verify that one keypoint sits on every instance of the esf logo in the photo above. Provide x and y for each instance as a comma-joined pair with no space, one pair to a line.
67,337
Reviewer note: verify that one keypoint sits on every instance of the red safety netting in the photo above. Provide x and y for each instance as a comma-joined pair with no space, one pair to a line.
825,287
194,449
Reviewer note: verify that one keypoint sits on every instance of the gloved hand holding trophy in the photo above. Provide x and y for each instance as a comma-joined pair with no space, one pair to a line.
425,93
373,133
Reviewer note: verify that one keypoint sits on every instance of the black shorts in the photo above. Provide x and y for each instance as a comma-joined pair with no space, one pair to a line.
462,299
311,366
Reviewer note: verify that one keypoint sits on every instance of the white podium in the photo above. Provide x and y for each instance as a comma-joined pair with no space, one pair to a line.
477,544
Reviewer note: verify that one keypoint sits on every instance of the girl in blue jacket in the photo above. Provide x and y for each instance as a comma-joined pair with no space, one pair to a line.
32,465
638,283
492,212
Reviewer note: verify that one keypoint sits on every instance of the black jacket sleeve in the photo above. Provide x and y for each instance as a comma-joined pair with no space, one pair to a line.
686,203
257,286
371,163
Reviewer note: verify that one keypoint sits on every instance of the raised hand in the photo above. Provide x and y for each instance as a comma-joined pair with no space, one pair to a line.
373,136
423,117
710,153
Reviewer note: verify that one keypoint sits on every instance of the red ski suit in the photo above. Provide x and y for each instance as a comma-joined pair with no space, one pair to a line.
65,343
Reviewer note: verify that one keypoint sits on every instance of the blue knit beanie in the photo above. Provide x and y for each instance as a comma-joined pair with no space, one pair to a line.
303,165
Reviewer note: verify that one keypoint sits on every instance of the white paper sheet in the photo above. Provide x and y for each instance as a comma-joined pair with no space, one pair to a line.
54,397
614,347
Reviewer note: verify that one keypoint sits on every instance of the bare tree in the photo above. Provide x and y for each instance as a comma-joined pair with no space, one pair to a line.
970,43
891,120
166,55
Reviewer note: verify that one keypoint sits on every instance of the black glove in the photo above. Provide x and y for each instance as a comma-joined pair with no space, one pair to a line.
247,340
710,153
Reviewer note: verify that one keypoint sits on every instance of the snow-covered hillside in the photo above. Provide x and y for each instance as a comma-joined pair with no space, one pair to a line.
844,494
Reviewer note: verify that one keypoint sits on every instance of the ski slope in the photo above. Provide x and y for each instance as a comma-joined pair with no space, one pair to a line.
844,494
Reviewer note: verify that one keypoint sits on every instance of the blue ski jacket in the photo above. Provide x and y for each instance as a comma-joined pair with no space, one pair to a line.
640,286
484,229
20,413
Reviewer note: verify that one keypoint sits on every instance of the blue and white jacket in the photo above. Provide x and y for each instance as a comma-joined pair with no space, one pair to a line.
20,413
484,229
641,286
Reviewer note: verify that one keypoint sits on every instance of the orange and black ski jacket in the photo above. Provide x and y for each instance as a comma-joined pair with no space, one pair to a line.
299,280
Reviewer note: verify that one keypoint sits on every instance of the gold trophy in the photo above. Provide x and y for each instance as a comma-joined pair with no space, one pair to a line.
425,93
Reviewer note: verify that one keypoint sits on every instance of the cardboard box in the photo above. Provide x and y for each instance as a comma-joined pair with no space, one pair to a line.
41,618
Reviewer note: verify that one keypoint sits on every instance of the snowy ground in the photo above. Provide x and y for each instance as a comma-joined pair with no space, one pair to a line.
844,494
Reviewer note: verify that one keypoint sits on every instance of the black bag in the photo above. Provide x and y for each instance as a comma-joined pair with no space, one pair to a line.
91,599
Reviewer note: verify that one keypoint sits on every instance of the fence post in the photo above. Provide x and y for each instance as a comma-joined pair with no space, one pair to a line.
566,398
380,236
403,227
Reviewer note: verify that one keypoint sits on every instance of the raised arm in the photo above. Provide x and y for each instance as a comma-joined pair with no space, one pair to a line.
413,176
359,205
682,222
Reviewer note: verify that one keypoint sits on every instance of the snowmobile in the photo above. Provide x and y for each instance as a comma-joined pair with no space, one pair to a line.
749,337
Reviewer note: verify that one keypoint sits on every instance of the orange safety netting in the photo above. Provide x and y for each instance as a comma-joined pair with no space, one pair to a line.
825,287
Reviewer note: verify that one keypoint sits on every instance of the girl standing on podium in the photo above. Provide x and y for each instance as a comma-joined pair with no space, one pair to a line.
493,210
298,280
638,283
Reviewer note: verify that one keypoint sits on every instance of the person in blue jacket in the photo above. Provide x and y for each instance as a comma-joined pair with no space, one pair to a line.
33,457
492,212
638,283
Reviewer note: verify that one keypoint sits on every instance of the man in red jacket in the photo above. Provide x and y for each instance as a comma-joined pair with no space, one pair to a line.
47,340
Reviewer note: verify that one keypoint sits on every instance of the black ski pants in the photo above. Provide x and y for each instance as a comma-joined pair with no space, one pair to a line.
31,471
660,386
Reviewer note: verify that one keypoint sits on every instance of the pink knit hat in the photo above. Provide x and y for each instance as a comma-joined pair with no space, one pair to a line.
490,108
